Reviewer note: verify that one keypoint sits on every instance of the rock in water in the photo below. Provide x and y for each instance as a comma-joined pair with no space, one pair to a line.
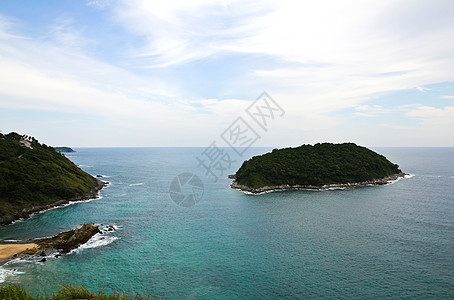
69,240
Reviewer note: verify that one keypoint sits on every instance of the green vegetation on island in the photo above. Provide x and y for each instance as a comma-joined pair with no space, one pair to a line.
64,149
34,177
318,166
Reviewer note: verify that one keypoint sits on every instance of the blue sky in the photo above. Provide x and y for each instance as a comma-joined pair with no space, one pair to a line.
178,73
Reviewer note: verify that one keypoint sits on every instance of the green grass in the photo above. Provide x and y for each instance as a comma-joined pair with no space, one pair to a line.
14,292
67,292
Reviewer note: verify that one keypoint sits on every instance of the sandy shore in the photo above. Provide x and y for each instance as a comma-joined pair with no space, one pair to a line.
8,250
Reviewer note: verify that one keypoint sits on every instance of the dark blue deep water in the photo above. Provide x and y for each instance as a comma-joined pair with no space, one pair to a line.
392,241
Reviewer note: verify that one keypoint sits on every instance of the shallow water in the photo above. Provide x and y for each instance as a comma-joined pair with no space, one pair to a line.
390,241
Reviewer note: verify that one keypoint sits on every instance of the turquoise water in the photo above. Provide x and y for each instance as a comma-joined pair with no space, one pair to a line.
394,241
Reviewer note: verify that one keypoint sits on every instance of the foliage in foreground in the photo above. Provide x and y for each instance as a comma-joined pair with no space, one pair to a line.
67,292
319,164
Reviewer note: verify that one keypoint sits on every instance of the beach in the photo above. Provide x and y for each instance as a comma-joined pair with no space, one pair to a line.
8,250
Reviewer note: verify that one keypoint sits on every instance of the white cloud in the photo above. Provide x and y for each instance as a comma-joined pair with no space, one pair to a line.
441,119
370,111
41,76
330,55
422,89
340,52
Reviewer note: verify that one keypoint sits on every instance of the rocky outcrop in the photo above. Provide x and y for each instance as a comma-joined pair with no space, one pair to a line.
63,242
69,240
263,189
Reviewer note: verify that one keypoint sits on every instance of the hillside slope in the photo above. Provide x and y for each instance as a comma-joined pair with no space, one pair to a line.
34,177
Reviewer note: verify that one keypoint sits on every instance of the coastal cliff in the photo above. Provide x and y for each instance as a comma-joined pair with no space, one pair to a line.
34,177
320,166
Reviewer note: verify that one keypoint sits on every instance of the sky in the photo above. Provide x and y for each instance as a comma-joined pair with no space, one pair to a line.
130,73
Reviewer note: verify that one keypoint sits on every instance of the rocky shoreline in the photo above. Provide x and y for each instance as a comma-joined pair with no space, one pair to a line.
27,212
40,250
63,242
265,189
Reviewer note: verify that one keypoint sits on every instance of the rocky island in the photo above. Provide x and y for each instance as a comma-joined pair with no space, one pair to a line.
35,177
318,166
64,149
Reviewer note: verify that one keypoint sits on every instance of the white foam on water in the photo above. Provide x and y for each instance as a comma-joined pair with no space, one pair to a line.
406,176
17,221
61,206
100,239
335,188
32,259
136,184
293,189
6,272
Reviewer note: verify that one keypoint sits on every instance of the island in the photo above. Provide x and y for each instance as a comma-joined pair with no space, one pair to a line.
64,149
319,166
34,177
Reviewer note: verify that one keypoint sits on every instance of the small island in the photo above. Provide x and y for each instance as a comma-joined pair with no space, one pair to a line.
35,177
64,149
319,166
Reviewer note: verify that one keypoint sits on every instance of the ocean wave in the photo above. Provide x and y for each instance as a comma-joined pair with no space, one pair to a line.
8,272
332,188
61,206
17,221
100,239
136,184
39,259
406,176
85,166
292,189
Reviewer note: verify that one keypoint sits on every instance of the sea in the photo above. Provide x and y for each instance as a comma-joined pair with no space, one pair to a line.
180,231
